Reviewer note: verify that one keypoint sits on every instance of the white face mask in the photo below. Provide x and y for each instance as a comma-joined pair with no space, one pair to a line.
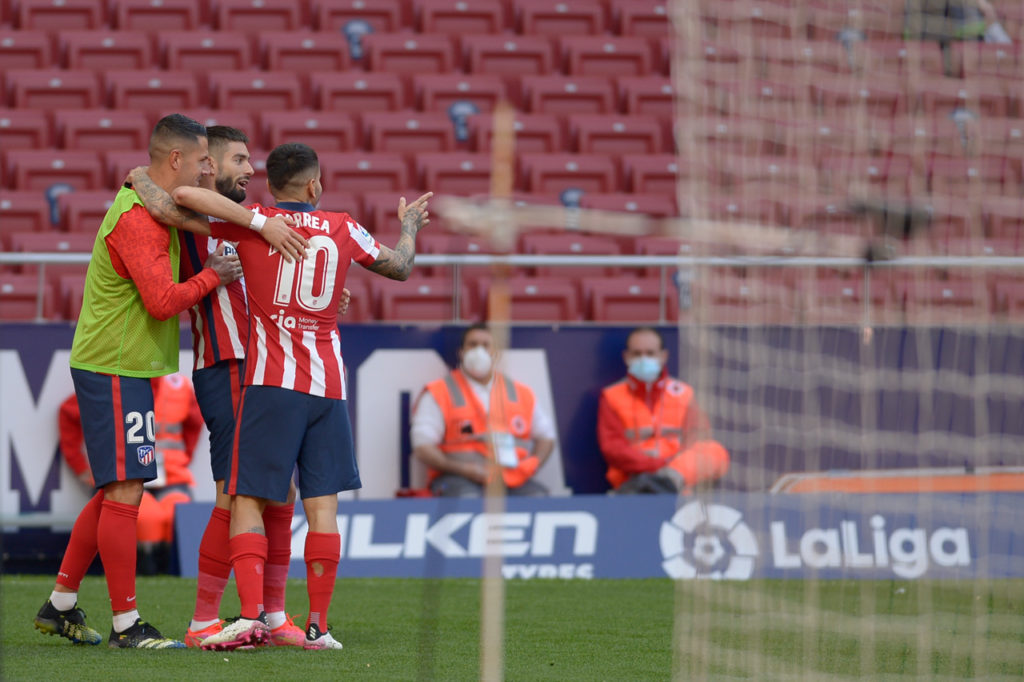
477,362
645,368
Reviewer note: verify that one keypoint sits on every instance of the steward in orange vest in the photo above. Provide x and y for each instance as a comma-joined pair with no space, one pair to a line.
653,436
468,442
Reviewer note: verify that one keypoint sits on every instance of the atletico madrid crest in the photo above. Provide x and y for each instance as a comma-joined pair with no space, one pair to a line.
146,455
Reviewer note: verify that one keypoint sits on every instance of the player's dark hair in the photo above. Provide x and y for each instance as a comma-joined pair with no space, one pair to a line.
221,135
476,326
289,161
652,330
174,128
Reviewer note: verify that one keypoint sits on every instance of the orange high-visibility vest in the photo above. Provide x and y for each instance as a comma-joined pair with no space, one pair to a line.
468,429
657,431
172,400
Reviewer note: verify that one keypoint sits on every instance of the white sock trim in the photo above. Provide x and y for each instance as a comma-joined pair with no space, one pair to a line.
63,601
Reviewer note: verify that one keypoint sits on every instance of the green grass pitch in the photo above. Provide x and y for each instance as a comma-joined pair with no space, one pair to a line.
396,629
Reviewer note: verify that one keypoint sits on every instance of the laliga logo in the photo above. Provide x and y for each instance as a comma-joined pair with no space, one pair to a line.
708,541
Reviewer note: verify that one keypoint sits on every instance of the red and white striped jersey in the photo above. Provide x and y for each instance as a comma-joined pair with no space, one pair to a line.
293,307
220,321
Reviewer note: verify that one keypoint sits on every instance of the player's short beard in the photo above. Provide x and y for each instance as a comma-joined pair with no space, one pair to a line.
229,188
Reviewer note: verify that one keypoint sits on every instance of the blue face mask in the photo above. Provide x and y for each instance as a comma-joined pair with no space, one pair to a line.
645,368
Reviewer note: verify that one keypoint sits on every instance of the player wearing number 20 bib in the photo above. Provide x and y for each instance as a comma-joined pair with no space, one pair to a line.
294,348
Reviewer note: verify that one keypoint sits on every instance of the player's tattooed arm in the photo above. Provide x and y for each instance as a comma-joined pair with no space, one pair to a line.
397,263
162,207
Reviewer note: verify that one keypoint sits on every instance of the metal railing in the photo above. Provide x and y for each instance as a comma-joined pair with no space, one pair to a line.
666,264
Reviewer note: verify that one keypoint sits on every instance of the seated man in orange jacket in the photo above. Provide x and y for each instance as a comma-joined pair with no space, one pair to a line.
177,424
652,434
460,420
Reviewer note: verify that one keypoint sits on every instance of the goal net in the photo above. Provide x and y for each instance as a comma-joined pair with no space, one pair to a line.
859,348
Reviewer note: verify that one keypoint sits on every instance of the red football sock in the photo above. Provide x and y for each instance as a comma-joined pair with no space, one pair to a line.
322,552
116,539
81,549
277,524
214,566
248,557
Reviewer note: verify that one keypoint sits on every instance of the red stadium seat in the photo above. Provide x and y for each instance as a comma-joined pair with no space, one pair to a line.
384,16
553,173
84,211
612,299
25,211
42,168
759,20
765,99
508,55
62,15
534,132
409,53
881,97
978,177
616,134
154,90
597,55
951,299
1004,218
575,17
102,129
380,212
641,17
25,50
905,56
118,163
255,91
803,58
568,94
651,173
458,173
360,306
834,296
409,132
364,171
757,209
722,136
235,118
323,131
53,90
22,211
1002,136
535,299
357,92
972,59
421,299
656,205
20,298
54,242
341,201
567,243
1008,298
205,51
772,174
986,96
656,245
257,15
458,17
652,95
70,291
850,174
25,128
303,52
106,49
725,297
156,15
873,21
439,91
